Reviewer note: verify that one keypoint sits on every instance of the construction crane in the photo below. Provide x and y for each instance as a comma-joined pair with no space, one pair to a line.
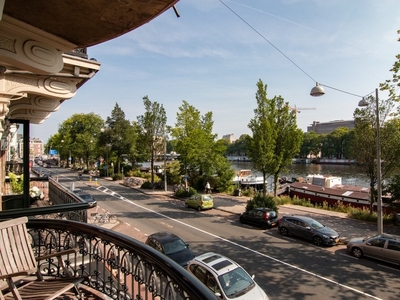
298,109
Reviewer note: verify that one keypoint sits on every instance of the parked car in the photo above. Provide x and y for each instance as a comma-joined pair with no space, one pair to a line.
88,198
172,246
309,229
262,216
225,278
384,247
200,201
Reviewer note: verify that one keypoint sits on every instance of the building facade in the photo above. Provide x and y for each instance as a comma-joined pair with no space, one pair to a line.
328,127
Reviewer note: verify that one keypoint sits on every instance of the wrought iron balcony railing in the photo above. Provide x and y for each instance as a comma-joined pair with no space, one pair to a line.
112,263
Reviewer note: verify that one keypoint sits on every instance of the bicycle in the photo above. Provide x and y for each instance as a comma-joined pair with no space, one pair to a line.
107,217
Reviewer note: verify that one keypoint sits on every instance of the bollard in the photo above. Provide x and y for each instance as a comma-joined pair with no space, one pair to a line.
90,178
95,182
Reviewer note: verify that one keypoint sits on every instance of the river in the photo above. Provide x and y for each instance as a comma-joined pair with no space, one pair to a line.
351,175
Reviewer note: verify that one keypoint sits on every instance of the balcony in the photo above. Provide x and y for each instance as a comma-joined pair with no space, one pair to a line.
114,265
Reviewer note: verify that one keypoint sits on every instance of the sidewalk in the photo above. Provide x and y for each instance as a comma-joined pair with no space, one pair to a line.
234,204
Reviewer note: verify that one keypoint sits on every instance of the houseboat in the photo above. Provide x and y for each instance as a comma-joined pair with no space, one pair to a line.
321,189
246,179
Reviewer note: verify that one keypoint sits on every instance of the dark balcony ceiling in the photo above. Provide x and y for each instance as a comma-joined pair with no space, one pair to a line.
86,22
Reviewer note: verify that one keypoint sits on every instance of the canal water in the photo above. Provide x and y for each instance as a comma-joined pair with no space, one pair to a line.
350,174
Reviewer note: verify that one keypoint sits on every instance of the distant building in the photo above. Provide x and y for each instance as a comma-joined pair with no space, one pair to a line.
229,137
328,127
35,147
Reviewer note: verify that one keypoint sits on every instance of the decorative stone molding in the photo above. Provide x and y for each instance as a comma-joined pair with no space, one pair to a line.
52,87
29,48
34,108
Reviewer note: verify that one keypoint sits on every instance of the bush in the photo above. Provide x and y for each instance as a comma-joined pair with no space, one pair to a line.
118,176
182,193
261,201
248,192
146,185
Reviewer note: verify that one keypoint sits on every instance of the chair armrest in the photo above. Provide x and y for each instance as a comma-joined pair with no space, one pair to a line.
57,254
10,275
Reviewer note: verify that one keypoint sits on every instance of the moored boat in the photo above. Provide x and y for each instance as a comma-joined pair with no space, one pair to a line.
246,179
329,189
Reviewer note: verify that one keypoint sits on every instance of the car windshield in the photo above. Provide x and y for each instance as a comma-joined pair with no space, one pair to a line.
86,197
236,282
369,237
316,225
174,246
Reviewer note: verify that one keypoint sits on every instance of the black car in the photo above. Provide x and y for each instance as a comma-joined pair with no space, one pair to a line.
88,198
309,229
172,246
263,217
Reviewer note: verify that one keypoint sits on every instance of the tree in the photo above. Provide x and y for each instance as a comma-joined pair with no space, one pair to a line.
336,143
238,147
311,144
363,145
153,130
201,156
119,134
276,138
392,85
79,134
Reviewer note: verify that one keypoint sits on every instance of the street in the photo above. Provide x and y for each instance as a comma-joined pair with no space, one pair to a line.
285,267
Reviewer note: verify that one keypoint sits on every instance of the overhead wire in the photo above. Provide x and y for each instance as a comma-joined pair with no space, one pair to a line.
287,57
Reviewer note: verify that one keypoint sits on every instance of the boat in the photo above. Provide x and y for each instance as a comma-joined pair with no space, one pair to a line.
320,189
246,179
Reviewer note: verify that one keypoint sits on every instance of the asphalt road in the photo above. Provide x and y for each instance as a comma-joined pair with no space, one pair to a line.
286,268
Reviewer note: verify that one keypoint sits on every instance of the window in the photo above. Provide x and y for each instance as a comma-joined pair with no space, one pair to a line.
378,242
199,272
212,284
260,214
393,245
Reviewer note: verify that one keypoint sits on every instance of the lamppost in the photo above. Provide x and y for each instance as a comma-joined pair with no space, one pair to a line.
317,91
165,162
59,153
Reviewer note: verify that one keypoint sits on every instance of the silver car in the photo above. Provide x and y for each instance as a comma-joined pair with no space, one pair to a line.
385,247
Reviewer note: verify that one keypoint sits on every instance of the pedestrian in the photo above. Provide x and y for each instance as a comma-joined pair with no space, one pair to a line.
208,188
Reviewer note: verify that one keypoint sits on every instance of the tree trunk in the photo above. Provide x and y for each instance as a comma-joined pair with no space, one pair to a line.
264,184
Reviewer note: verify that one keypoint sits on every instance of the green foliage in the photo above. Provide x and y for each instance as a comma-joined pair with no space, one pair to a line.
182,193
276,138
311,144
250,192
238,147
117,176
118,139
153,130
260,200
173,172
17,184
147,185
77,137
201,156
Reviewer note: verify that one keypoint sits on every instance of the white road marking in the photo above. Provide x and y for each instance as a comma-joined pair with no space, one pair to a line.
251,250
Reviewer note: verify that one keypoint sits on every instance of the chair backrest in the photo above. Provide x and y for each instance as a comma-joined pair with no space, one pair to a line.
16,254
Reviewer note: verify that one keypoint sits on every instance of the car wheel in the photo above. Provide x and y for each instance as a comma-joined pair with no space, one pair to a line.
357,252
186,205
284,231
264,226
199,208
317,241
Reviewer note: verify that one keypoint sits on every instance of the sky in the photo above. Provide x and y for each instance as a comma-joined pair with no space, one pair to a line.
214,54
